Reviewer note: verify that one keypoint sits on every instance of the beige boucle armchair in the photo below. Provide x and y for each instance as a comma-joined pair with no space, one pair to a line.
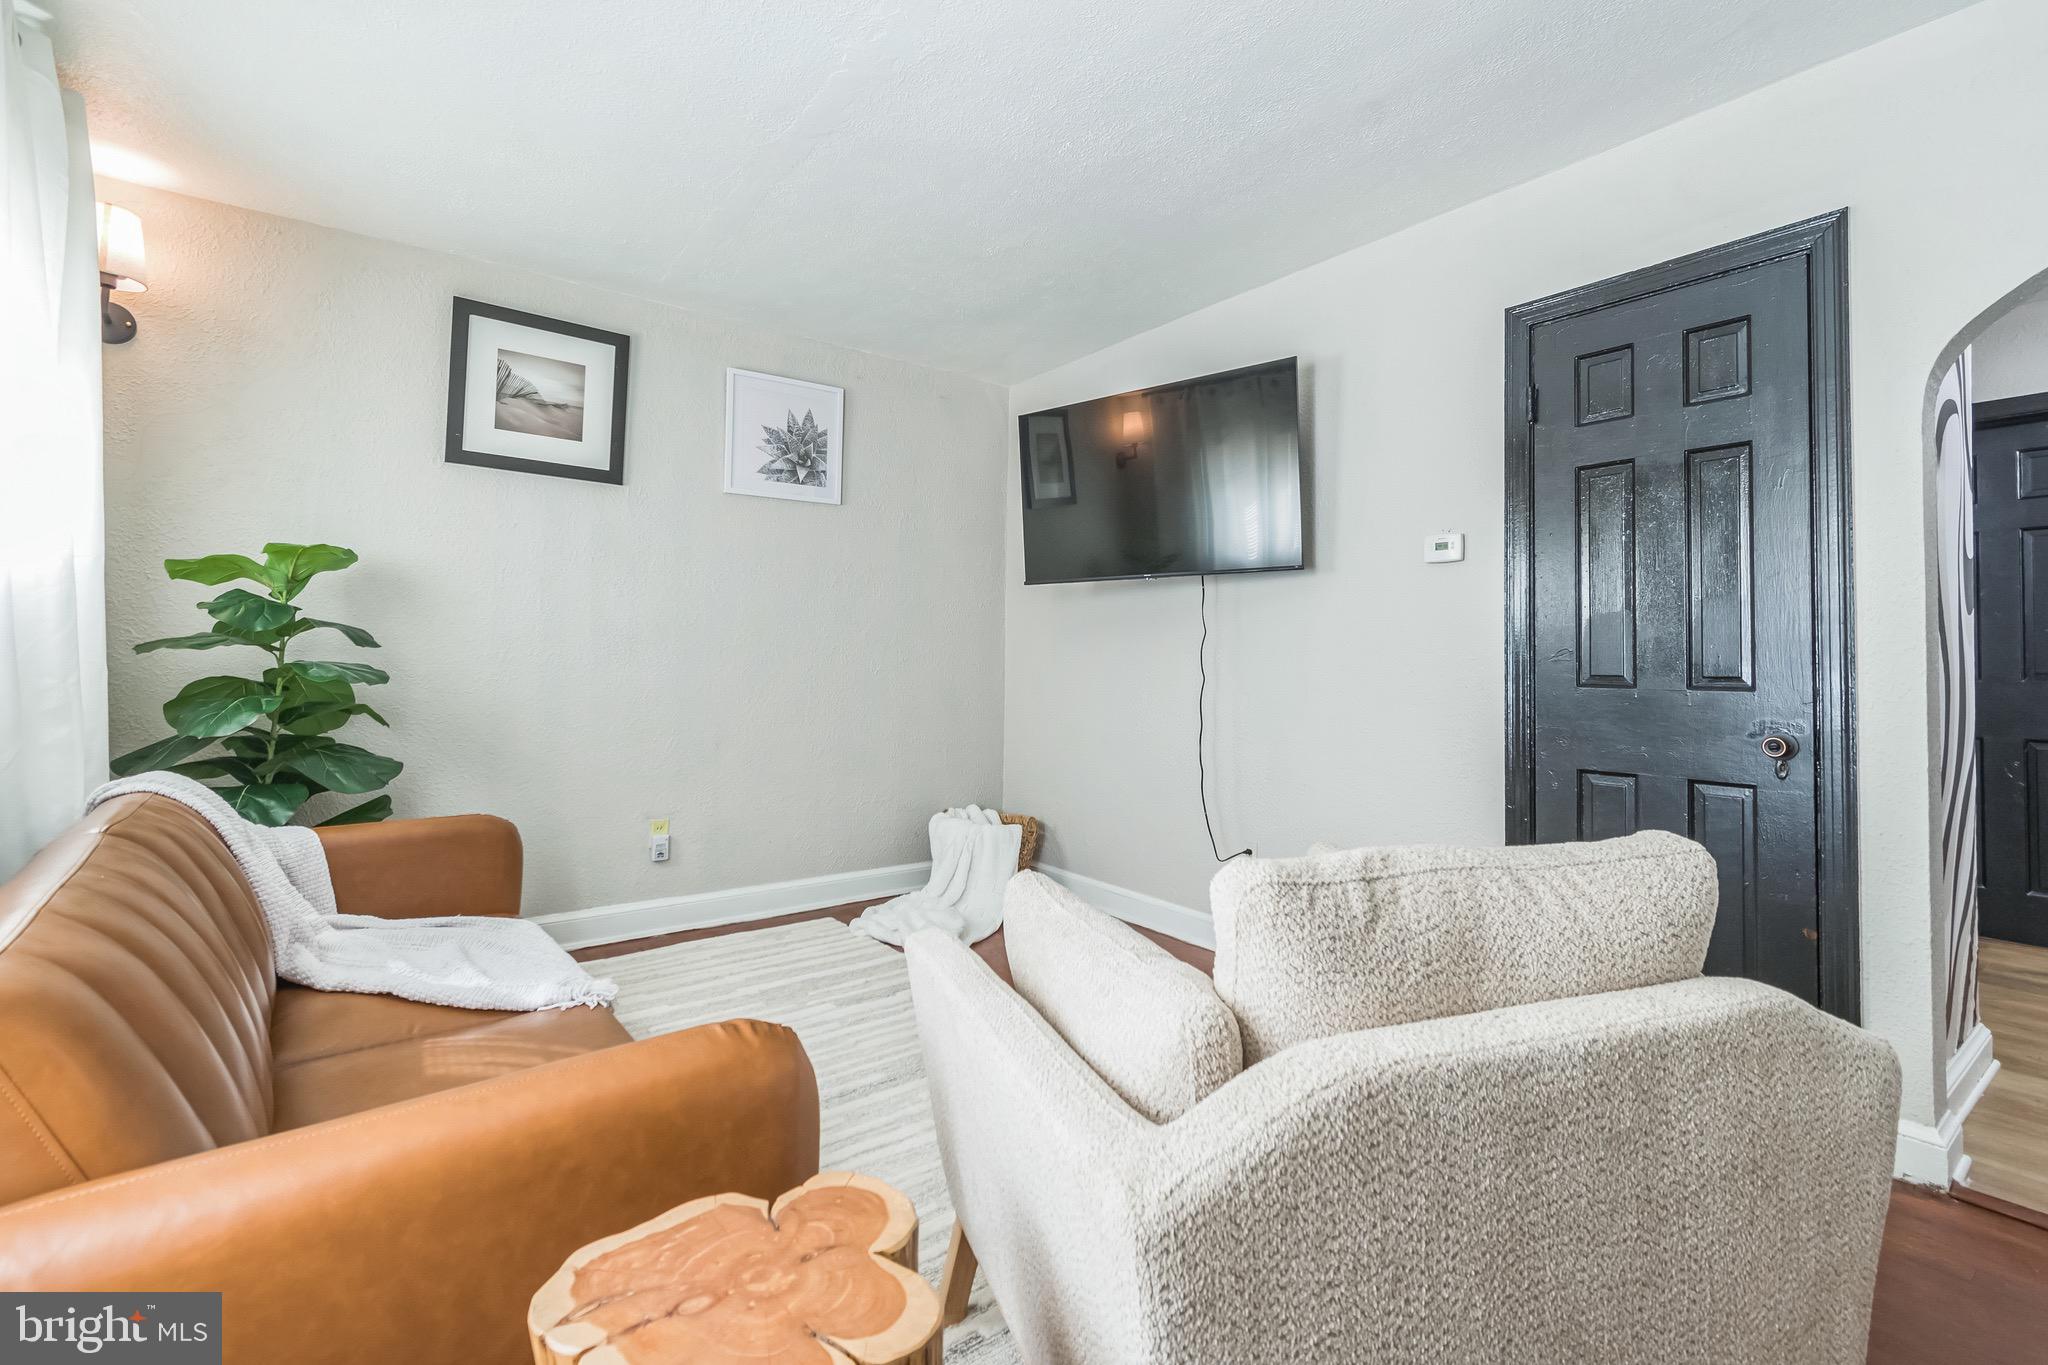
1612,1160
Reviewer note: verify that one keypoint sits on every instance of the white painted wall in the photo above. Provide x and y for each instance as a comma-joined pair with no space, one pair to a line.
2011,357
798,686
1361,701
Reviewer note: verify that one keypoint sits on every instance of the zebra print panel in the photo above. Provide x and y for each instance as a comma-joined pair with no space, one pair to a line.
1956,627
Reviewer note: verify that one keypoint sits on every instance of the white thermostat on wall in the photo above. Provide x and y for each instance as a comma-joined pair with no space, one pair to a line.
1445,547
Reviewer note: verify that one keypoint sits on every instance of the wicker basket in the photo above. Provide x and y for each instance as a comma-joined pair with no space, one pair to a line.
1027,847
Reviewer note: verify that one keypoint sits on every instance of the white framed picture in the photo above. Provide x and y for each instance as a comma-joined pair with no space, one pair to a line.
784,438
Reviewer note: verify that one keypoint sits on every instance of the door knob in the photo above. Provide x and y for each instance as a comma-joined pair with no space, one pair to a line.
1780,749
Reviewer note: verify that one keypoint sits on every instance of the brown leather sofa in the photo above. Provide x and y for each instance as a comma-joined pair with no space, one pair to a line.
363,1178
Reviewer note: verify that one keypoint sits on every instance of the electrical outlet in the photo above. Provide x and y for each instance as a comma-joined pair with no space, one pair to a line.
657,841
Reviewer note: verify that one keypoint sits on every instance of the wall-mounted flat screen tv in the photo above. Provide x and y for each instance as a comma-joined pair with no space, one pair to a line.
1198,477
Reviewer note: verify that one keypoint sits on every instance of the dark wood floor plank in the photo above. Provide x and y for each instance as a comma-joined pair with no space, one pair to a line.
1958,1283
1955,1283
845,914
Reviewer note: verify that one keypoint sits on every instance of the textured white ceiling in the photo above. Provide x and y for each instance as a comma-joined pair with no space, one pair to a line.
987,187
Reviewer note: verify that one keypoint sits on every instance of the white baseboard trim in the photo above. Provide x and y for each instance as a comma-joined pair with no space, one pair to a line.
1930,1155
601,924
1934,1155
1135,907
1970,1071
707,909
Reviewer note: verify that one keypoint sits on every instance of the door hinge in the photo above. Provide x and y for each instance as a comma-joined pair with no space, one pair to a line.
1529,405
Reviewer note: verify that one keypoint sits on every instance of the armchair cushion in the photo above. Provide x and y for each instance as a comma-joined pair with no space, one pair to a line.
1333,943
1150,1025
1623,1177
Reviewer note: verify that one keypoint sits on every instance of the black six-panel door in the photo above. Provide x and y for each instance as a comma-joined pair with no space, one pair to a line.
2012,661
1672,527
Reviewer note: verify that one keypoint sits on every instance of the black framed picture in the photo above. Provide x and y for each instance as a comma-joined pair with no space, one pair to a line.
1048,457
536,395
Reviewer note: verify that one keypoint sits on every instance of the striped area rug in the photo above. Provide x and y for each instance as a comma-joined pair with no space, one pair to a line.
848,998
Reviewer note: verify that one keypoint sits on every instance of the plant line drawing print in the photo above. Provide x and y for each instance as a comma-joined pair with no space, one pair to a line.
797,451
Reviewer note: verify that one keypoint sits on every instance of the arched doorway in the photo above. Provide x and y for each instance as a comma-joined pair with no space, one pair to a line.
1989,437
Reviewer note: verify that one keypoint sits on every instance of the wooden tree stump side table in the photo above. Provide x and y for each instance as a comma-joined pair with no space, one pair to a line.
826,1275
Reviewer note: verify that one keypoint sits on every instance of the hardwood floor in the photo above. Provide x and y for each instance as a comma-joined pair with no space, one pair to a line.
2006,1135
1955,1282
1958,1283
990,948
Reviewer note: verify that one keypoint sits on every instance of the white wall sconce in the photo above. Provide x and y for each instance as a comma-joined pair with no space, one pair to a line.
121,270
1134,433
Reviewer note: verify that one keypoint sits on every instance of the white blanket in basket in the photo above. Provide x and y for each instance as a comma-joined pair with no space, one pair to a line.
974,855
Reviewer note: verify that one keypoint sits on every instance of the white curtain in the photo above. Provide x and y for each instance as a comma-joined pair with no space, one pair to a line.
53,664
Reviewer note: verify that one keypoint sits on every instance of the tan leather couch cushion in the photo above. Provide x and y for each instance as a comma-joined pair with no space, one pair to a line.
338,1054
417,1232
135,997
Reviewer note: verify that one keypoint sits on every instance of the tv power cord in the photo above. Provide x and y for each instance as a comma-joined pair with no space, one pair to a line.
1201,724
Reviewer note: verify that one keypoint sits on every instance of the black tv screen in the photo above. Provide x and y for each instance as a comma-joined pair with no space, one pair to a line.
1202,476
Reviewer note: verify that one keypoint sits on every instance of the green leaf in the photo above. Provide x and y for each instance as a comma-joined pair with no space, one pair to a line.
262,639
293,566
163,754
216,569
313,718
344,767
300,691
267,803
221,634
323,671
218,706
289,747
283,767
232,768
356,634
247,746
317,718
376,808
277,755
210,640
240,609
254,749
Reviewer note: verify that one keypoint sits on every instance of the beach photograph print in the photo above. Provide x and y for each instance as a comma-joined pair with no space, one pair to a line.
541,396
536,395
784,437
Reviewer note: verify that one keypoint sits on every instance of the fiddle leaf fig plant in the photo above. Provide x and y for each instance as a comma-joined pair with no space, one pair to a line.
266,744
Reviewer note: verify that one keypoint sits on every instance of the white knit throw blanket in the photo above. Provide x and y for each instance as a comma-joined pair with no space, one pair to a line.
974,855
467,961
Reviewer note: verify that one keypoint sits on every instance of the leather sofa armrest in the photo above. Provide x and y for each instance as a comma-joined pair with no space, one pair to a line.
411,869
419,1231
